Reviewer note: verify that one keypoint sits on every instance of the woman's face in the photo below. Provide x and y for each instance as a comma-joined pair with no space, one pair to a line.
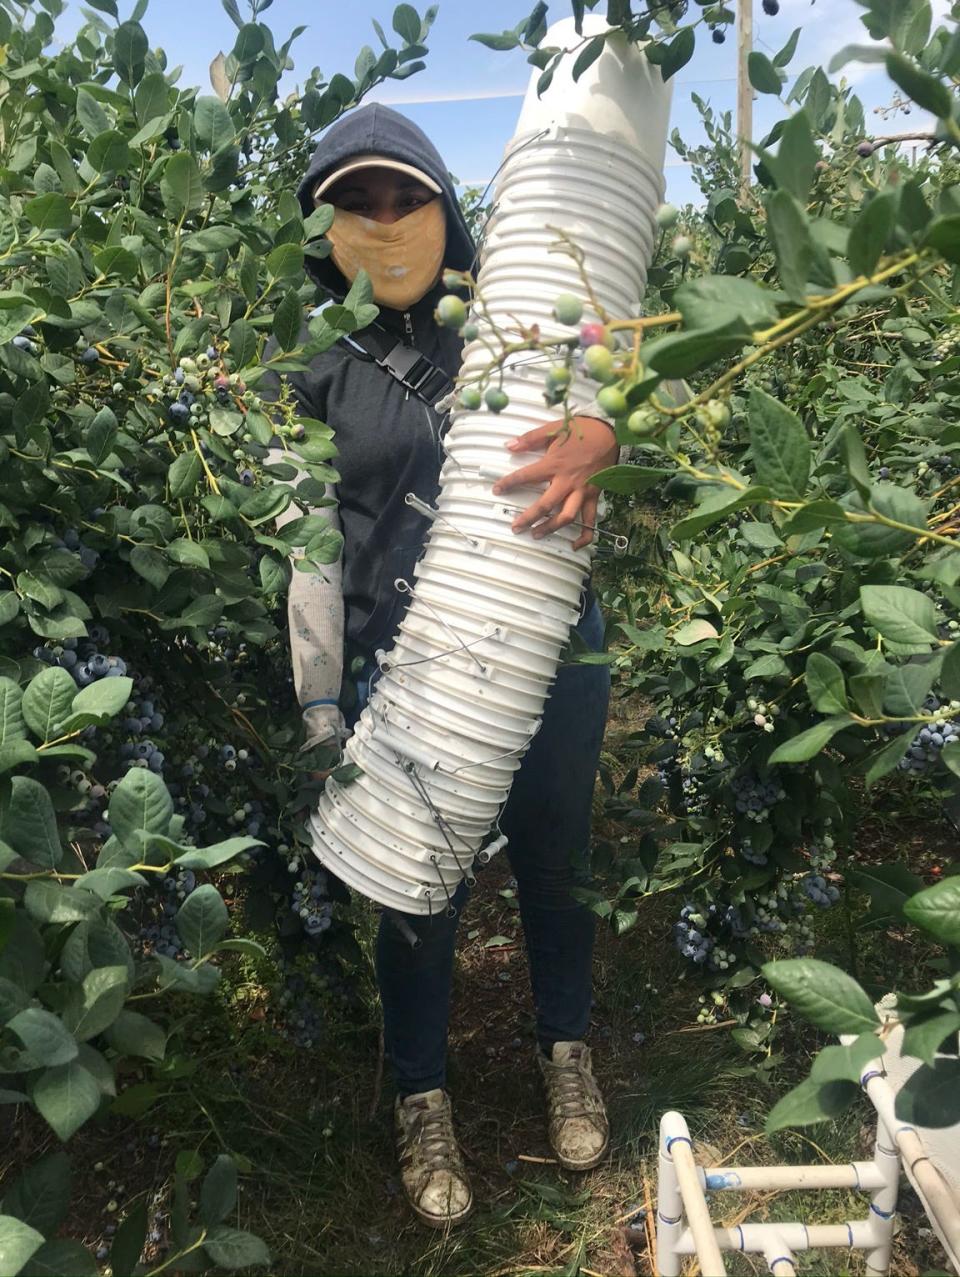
382,194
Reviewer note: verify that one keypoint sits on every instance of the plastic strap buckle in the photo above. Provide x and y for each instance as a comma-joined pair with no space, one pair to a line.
415,371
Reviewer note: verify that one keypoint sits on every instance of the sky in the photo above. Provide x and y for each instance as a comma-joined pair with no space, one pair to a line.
468,98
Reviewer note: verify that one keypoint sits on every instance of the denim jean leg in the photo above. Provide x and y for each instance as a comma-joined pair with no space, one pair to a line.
415,983
547,821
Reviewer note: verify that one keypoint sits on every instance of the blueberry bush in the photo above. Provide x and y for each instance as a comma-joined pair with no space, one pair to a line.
151,774
789,600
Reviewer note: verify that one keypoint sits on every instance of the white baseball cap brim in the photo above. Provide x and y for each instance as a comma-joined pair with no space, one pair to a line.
374,161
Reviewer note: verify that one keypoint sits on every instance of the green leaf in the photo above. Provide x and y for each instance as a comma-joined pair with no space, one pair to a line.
780,448
847,1061
810,742
103,699
47,901
926,90
937,910
789,232
680,354
212,239
202,920
12,726
97,1003
66,1096
218,1193
870,232
924,1038
140,801
629,479
40,1195
182,184
129,1240
133,1034
233,1248
678,52
825,685
888,886
130,46
109,153
823,994
285,261
943,235
47,700
18,1242
406,23
212,123
695,631
811,1102
763,74
217,854
243,343
714,300
50,212
717,506
287,321
177,975
184,474
46,1042
102,432
29,824
905,618
931,1096
61,1257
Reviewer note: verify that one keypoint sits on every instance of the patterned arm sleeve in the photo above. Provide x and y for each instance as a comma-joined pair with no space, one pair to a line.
315,619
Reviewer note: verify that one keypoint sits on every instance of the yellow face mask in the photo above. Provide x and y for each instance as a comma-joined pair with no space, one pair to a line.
403,259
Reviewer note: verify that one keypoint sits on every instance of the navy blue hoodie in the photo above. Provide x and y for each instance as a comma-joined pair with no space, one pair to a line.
389,441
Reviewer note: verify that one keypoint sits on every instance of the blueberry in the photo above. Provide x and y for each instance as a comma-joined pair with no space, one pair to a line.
178,414
211,352
83,675
247,477
179,376
90,356
718,36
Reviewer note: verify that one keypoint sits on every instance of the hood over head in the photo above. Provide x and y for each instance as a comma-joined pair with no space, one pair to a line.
378,130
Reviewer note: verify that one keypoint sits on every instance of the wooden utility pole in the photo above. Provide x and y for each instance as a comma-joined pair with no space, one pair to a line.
744,90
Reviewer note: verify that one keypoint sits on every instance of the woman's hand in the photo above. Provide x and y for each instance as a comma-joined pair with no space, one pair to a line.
571,457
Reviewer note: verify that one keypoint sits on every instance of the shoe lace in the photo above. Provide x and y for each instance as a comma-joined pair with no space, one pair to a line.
438,1144
574,1090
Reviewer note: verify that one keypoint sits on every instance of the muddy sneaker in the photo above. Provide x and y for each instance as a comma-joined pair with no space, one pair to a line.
431,1167
579,1131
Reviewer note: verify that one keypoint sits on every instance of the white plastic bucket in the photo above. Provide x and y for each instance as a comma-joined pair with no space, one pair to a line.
476,654
620,96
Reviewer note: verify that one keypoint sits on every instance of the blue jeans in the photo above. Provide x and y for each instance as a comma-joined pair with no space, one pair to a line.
547,822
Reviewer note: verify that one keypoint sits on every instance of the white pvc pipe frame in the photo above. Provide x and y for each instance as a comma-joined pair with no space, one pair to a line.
683,1221
461,695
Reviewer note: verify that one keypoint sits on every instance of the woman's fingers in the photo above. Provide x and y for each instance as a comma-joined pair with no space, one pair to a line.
567,514
588,516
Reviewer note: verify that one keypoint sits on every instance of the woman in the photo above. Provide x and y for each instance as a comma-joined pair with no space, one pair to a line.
397,217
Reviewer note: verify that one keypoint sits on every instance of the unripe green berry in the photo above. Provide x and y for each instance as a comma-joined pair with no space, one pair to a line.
558,376
496,399
667,215
451,312
682,246
598,361
568,309
612,400
643,422
471,398
470,332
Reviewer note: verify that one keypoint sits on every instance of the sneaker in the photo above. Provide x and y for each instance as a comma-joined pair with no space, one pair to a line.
579,1130
431,1167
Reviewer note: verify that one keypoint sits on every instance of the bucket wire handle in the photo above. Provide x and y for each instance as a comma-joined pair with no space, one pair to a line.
428,512
620,542
404,587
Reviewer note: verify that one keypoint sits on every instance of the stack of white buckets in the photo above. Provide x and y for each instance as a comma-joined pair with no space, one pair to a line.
460,697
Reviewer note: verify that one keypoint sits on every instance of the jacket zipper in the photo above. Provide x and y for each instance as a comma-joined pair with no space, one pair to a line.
408,326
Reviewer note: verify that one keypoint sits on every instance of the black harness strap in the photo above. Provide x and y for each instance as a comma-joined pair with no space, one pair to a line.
415,372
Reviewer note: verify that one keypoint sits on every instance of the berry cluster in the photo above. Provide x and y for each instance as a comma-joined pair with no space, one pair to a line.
311,903
924,751
822,893
82,658
159,934
763,714
754,797
690,934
